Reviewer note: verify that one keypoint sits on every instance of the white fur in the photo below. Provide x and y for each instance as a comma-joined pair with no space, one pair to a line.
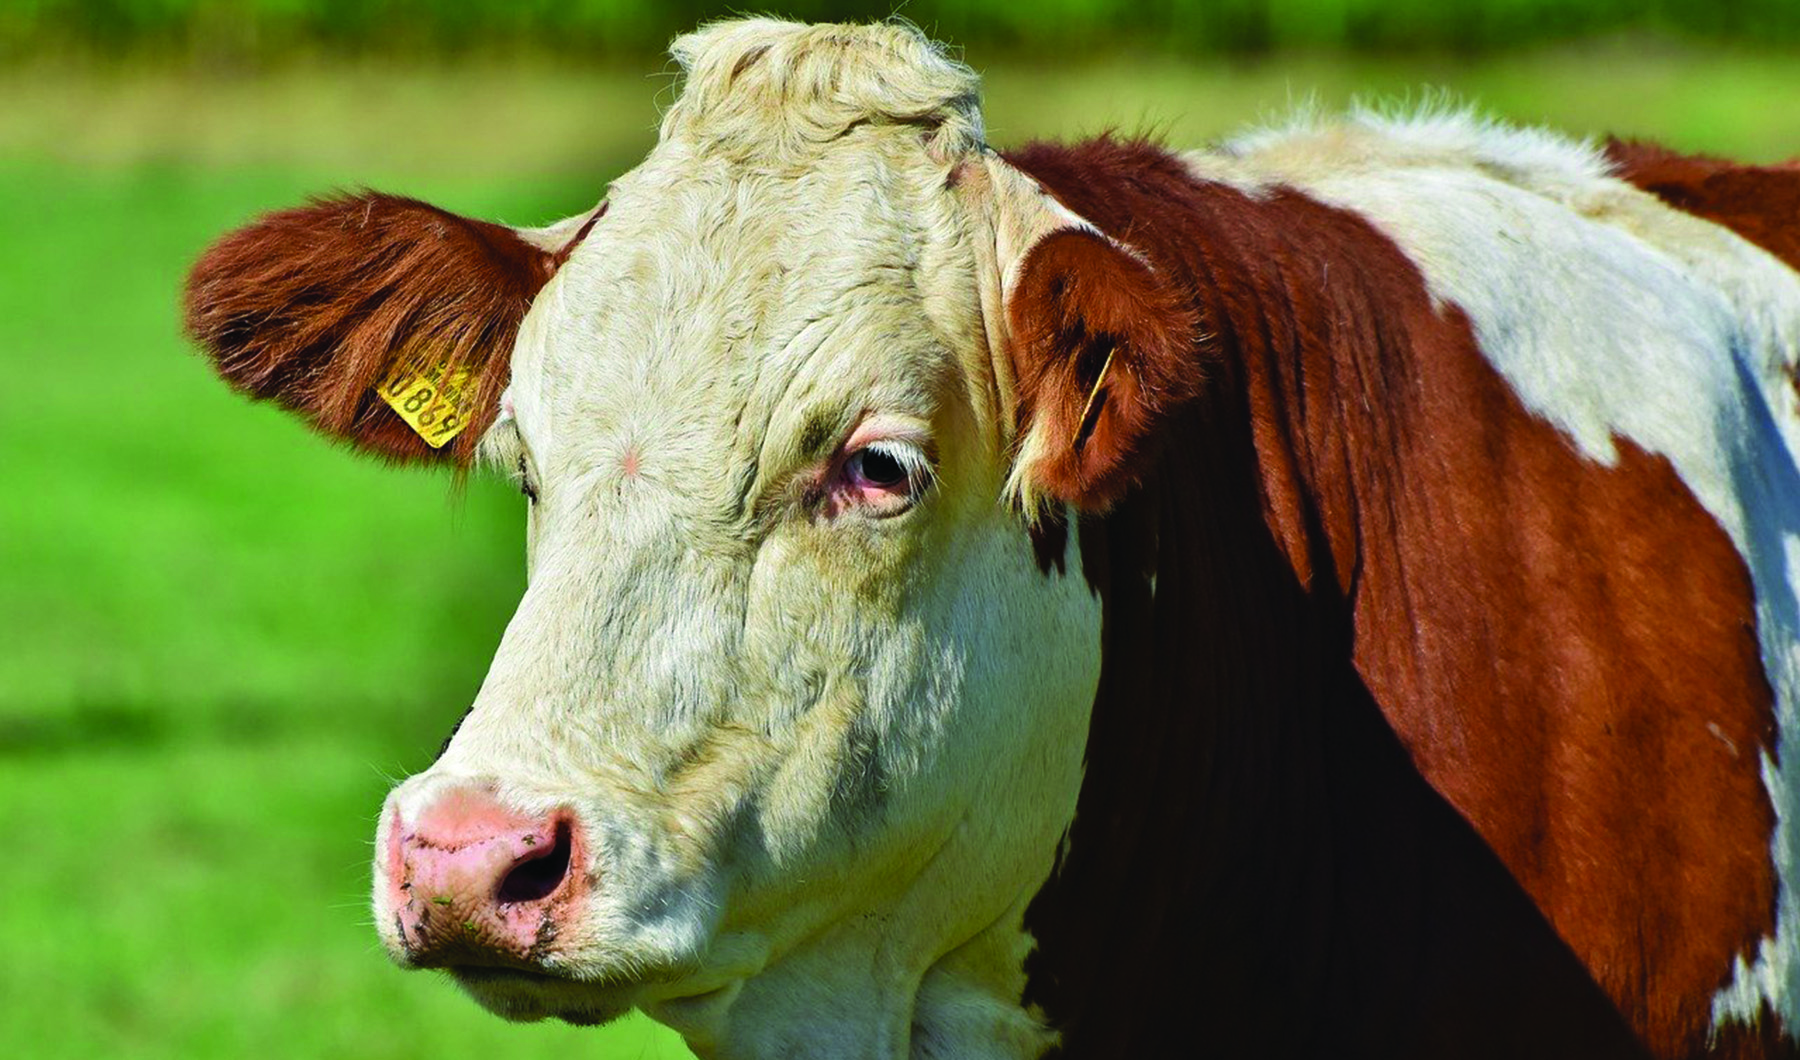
1612,316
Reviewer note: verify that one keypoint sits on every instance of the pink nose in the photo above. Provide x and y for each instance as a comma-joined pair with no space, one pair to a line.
472,882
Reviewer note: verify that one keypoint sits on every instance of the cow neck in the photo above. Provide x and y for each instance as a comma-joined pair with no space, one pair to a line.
1255,851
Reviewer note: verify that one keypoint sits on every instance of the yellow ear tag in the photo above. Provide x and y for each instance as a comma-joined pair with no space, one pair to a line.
433,399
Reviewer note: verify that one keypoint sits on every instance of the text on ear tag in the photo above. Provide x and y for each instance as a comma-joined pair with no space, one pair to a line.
433,399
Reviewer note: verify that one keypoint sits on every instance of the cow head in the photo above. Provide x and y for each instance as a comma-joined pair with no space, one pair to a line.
789,721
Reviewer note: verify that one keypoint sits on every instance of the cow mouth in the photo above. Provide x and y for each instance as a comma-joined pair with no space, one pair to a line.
472,974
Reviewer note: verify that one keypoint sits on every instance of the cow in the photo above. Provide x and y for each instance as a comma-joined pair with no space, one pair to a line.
1330,594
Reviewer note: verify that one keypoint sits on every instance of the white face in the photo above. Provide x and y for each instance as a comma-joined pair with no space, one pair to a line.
787,668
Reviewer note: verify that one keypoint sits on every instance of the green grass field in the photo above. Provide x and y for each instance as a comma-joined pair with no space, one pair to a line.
223,637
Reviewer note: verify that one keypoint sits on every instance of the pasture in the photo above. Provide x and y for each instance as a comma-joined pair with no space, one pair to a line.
223,637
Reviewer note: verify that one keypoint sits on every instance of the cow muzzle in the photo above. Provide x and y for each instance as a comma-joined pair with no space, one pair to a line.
472,884
543,905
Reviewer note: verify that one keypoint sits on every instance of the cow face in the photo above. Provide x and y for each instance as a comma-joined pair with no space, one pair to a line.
785,730
787,681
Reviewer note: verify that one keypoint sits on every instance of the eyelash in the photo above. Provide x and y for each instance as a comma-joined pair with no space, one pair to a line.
913,463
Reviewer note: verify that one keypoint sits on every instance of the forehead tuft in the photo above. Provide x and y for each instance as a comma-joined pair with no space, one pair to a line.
761,86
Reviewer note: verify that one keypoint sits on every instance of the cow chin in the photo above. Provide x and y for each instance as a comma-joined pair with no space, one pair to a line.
526,996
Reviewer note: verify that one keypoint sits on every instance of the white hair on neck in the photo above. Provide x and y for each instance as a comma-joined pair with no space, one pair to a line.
766,88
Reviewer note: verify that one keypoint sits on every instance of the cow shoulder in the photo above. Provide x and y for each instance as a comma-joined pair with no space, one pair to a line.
1588,400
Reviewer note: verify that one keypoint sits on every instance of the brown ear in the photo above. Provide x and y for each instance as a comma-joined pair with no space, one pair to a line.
312,307
1101,349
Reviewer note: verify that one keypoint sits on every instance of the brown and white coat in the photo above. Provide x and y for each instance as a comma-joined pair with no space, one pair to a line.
1328,595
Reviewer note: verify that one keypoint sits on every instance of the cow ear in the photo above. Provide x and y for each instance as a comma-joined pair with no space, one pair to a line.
1101,348
380,320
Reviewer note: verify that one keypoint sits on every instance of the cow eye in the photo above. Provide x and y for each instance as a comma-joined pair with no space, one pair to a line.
876,467
883,477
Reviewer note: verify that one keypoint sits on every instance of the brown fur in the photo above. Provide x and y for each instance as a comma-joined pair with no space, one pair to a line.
1408,754
1760,203
309,307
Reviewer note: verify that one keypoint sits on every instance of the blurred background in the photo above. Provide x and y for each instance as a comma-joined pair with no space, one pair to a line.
221,639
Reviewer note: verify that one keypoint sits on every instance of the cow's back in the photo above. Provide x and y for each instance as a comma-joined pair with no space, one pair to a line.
1759,203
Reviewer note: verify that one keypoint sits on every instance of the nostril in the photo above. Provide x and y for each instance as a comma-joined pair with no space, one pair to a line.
541,874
